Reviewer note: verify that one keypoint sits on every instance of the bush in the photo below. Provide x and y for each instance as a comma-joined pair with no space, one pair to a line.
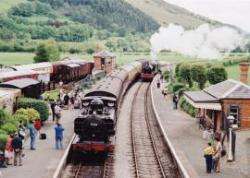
180,92
188,108
178,86
3,132
39,105
4,116
3,139
9,127
21,117
170,88
166,75
29,113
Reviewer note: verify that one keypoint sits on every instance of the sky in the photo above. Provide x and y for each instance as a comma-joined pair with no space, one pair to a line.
235,12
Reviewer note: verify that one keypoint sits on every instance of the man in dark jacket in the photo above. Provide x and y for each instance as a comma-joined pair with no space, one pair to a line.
52,106
17,145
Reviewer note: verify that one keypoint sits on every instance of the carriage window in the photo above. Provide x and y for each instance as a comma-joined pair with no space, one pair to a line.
234,111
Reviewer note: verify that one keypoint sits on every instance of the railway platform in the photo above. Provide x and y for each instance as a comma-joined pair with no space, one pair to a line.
42,162
186,139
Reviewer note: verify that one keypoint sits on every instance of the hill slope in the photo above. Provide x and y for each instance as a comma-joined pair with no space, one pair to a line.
165,13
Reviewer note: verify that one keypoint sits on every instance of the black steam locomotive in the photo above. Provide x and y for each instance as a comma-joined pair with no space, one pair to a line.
95,128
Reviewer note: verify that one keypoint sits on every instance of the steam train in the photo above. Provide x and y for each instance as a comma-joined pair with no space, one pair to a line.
149,69
95,127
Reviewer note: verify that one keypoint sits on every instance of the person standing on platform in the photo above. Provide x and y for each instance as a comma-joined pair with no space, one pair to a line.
208,154
175,101
59,136
217,155
8,152
52,106
58,114
21,131
33,133
17,145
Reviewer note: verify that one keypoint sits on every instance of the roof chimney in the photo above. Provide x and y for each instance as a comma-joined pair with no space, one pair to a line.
244,66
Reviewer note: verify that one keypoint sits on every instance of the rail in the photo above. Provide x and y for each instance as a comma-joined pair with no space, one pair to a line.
181,167
62,163
151,135
144,132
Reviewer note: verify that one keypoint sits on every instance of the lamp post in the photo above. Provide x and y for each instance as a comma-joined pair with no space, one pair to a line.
230,120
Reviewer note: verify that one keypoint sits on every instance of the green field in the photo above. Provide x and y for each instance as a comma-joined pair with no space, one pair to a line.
16,58
234,72
122,58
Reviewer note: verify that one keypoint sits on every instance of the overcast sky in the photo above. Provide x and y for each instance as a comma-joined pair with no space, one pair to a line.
236,12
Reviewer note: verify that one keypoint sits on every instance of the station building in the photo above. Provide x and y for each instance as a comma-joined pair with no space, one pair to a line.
226,98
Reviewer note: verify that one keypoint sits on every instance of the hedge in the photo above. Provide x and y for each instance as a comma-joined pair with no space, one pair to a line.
39,105
188,108
177,87
21,117
3,139
9,127
30,113
4,116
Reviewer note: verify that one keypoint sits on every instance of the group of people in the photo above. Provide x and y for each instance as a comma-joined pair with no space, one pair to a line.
212,155
70,99
14,144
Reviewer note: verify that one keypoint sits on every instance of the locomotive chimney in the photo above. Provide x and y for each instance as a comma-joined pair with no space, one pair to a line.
244,67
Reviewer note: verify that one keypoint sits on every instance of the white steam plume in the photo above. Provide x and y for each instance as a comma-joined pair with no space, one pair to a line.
203,42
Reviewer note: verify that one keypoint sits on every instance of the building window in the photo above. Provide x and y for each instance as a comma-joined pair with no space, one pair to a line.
234,111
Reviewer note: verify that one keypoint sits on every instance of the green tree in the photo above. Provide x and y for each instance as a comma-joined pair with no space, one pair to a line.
185,74
42,54
198,73
177,69
48,51
216,74
166,75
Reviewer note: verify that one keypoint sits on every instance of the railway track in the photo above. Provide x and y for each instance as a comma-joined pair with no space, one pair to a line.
82,171
150,153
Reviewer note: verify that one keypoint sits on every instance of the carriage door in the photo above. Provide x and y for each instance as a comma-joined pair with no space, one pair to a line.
234,110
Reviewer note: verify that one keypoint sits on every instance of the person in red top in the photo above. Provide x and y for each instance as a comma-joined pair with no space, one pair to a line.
38,125
8,152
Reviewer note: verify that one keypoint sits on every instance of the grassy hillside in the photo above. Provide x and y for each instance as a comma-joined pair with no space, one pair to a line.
114,23
5,5
165,13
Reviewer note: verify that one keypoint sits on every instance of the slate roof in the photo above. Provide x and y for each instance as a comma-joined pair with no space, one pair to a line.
200,96
19,83
104,54
219,89
240,92
228,89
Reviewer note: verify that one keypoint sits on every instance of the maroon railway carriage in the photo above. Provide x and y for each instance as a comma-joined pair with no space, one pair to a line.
71,70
